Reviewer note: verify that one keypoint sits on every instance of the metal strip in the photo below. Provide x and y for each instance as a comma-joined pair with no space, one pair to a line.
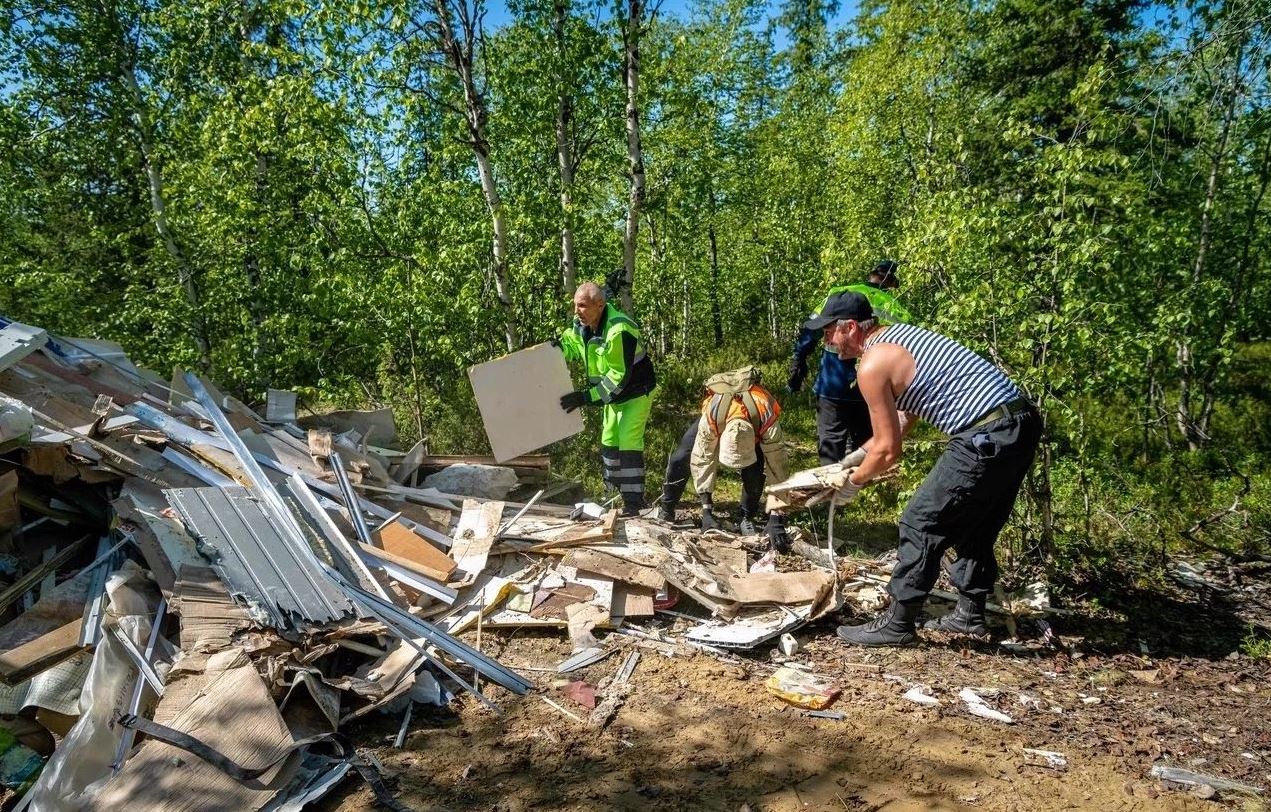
350,499
413,580
126,740
208,476
138,659
346,553
414,627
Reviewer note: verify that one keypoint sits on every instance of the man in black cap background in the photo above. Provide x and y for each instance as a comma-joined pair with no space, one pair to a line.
842,419
904,373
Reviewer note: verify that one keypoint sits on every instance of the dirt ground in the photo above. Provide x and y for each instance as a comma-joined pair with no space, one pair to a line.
697,732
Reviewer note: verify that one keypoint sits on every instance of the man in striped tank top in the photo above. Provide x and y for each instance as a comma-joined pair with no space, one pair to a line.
905,373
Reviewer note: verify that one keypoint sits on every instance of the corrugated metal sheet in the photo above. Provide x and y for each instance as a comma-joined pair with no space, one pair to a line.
255,558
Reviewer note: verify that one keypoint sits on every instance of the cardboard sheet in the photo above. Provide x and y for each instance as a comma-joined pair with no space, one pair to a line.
519,397
234,714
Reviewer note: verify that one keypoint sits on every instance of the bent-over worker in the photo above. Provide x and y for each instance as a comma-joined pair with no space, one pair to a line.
906,372
739,428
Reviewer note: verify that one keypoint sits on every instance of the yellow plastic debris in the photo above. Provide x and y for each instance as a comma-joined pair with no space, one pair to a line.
802,689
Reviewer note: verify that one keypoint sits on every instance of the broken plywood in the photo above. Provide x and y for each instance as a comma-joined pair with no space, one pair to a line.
519,398
615,568
400,541
474,536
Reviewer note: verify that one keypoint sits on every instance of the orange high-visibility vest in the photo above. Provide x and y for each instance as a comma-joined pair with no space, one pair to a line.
756,405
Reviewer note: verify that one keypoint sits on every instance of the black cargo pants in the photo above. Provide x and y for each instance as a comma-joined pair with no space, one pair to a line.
964,503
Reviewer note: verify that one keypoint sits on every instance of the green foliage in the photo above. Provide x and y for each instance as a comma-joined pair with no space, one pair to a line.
1254,646
287,194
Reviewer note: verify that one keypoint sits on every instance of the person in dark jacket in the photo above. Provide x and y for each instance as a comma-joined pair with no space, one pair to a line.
842,419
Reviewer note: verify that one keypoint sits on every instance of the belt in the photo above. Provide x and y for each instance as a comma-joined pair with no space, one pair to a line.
1009,409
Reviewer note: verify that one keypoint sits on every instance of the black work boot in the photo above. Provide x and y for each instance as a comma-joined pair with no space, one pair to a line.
632,504
966,618
666,506
894,627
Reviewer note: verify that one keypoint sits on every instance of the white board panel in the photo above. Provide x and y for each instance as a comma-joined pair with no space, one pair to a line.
519,398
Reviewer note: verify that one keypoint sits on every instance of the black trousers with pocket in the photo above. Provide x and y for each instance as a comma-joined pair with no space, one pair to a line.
841,426
964,503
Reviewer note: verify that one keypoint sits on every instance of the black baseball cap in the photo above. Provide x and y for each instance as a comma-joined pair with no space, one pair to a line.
845,305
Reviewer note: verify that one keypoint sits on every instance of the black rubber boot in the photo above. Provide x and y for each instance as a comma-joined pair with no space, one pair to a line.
894,627
632,504
966,618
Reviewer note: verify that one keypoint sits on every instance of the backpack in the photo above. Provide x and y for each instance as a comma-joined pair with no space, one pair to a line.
737,383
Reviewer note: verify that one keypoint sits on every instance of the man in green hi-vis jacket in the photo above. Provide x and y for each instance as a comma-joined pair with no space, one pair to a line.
620,378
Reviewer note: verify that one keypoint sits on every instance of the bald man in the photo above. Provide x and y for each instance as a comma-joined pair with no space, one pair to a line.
620,379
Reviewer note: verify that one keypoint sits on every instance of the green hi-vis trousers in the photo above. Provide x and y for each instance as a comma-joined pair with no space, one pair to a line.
622,449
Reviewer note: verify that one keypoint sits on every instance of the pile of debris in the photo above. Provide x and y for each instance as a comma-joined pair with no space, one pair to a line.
184,581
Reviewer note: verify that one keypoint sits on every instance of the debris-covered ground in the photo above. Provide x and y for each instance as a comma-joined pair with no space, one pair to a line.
697,732
206,605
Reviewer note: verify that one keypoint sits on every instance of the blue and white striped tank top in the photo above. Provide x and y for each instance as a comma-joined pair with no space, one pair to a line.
952,386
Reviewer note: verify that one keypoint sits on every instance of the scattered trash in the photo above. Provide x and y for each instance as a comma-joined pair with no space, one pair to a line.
918,695
837,716
1187,778
802,689
976,705
788,644
1045,758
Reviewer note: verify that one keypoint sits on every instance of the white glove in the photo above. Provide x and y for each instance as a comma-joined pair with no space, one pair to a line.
854,458
847,491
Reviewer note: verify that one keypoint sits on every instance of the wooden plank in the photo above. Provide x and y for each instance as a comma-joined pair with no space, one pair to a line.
615,568
519,398
405,563
20,664
474,536
402,543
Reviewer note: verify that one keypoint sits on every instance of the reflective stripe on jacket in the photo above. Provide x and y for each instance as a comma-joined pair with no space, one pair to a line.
613,357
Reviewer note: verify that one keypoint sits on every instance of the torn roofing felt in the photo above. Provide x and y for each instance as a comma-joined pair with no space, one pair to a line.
256,558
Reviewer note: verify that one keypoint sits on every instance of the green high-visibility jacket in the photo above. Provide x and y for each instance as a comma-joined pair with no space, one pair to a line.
617,367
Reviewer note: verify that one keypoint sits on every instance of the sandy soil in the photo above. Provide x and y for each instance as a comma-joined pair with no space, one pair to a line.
699,733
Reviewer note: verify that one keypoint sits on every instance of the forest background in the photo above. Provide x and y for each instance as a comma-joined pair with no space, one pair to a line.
357,199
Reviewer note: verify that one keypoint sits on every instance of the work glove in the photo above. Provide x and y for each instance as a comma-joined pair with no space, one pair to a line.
795,383
847,491
554,341
777,535
746,527
573,400
854,458
708,519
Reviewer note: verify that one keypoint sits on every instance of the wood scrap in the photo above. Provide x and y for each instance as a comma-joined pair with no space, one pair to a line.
403,543
20,664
